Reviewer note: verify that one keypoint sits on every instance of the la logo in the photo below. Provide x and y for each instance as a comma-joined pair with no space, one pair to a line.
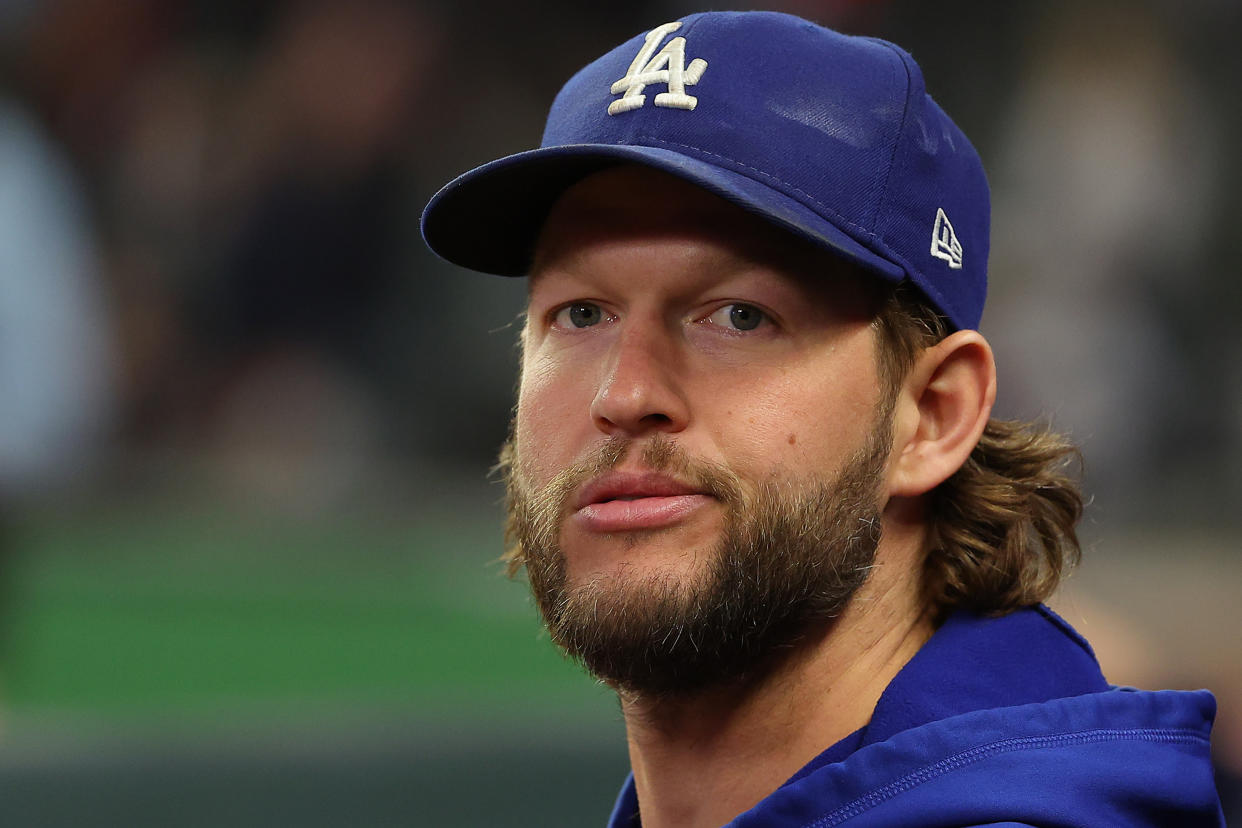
649,67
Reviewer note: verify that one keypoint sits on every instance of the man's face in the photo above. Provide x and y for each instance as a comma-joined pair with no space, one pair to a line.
700,439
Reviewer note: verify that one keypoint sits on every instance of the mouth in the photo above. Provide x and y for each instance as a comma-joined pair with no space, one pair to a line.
632,501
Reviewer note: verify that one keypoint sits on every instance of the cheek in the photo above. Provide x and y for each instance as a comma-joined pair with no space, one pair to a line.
550,395
803,422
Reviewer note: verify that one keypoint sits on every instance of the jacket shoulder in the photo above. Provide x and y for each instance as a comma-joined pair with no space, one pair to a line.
1120,757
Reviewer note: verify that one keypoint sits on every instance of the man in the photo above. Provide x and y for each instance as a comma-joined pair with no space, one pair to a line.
752,474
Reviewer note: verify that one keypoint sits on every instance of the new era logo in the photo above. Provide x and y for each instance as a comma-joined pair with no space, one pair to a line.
649,67
944,244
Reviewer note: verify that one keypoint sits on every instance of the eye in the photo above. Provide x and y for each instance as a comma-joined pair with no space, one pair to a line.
738,316
579,315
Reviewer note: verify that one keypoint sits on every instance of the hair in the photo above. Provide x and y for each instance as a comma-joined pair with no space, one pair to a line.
1001,529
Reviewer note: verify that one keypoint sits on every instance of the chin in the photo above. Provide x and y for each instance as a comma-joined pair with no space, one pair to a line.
663,556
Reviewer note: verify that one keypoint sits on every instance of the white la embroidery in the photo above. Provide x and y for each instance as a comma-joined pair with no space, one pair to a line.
646,69
944,243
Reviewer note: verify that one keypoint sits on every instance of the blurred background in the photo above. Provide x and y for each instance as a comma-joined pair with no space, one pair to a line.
247,535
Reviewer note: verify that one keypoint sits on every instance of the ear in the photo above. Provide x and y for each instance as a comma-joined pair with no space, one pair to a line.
940,412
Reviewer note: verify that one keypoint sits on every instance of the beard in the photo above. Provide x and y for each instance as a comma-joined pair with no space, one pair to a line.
791,555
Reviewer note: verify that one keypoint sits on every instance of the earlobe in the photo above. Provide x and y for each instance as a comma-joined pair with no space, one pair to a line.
941,412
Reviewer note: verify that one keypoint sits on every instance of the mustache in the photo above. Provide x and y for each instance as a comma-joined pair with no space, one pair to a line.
657,453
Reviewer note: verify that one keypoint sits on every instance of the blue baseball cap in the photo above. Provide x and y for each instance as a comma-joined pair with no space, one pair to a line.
829,136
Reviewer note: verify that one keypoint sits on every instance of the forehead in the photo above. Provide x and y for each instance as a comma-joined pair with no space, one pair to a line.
632,205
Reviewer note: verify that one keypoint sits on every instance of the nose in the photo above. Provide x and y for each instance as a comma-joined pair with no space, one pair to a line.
639,392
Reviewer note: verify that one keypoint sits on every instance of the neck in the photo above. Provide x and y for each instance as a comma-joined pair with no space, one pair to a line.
701,761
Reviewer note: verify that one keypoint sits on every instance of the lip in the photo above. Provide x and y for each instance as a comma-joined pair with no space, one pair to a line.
632,501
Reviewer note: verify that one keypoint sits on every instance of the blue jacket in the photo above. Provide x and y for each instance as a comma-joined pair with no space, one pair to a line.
1004,722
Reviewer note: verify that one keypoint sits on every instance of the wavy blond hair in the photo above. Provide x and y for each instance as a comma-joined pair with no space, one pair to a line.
1002,529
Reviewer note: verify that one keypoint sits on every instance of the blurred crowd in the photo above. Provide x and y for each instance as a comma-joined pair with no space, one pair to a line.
209,256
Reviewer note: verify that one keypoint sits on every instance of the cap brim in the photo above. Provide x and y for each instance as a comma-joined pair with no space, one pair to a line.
489,218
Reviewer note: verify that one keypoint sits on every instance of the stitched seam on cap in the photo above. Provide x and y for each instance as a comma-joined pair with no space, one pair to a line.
686,27
901,131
